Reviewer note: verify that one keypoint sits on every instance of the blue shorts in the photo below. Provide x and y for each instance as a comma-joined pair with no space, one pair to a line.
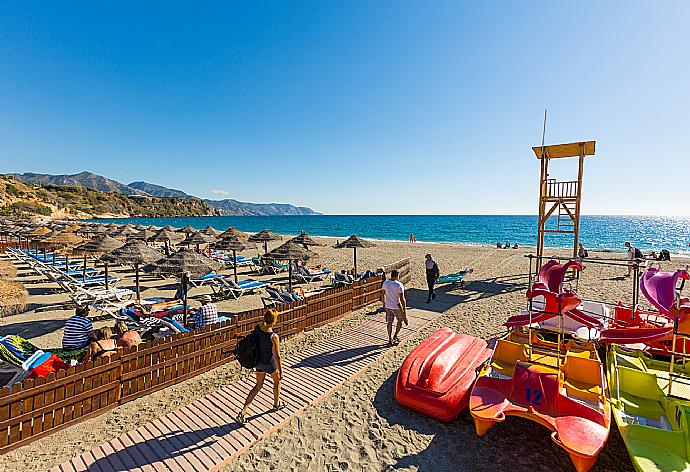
268,368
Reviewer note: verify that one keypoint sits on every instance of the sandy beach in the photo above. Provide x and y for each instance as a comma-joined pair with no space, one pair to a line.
360,427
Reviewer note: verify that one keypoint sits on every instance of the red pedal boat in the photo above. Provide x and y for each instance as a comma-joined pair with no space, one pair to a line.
436,377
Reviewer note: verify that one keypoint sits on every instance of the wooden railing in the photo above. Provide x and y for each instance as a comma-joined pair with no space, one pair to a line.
34,408
556,189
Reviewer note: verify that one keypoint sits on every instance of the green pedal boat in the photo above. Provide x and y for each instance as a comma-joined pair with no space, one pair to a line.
651,405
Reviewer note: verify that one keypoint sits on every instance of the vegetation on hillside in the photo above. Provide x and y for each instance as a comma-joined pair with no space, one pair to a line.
19,199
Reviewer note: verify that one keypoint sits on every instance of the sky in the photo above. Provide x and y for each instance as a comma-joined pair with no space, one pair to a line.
357,107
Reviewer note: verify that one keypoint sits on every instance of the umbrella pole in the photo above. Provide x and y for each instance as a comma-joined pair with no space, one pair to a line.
106,276
136,276
290,276
67,265
53,256
84,268
234,263
355,254
184,300
44,252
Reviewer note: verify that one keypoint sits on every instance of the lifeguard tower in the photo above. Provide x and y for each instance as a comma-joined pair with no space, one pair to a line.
560,199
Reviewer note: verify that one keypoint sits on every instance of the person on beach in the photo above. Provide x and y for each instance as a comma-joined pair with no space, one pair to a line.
432,275
270,362
183,288
394,304
582,252
78,330
126,337
103,345
630,256
206,314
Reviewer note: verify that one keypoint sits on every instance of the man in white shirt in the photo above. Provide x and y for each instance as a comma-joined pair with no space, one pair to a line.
394,303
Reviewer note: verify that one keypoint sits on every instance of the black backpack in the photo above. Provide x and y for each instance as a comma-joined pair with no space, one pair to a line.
638,254
247,351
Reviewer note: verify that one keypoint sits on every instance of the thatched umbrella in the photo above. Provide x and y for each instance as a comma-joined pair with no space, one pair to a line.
234,232
99,245
134,253
168,228
8,271
142,235
13,298
198,238
290,252
305,240
64,240
164,236
184,261
354,242
187,230
211,231
124,232
264,236
140,227
36,234
234,244
72,228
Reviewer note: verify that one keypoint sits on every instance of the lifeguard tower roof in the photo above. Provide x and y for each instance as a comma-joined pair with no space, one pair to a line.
565,150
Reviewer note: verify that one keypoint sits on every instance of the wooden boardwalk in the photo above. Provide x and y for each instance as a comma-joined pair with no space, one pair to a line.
204,436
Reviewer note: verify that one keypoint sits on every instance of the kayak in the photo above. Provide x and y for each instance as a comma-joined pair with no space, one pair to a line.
436,377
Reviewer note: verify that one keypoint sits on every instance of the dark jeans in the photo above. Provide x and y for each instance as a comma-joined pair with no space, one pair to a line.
430,283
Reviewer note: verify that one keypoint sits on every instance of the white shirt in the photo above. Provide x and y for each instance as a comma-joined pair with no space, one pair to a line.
393,289
631,253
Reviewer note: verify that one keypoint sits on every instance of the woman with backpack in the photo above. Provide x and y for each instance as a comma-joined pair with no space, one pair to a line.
269,362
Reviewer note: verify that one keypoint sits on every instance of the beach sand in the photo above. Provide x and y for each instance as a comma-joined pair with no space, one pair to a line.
360,427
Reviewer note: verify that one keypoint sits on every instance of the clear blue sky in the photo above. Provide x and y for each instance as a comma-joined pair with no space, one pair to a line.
353,107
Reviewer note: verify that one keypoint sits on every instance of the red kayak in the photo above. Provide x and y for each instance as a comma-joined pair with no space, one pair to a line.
437,376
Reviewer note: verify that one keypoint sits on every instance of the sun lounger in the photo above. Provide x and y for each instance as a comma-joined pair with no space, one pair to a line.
303,274
455,278
205,279
341,280
228,287
278,297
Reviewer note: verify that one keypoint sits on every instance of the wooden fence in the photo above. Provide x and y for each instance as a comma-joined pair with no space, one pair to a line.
38,407
403,267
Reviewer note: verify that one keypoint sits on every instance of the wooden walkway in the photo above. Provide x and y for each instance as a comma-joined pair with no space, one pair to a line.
204,436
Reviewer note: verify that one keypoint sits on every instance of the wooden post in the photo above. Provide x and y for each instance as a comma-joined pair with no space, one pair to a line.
234,263
355,258
84,268
136,276
106,276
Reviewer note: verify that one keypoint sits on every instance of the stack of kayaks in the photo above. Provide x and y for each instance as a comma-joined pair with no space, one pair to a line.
547,369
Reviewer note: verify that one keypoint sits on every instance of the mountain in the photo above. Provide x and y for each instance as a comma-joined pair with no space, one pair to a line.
228,207
158,190
233,207
67,202
83,179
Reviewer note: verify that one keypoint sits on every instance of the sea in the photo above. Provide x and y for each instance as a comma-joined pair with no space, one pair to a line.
596,232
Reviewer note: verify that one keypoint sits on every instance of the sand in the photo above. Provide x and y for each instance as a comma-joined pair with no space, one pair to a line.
360,427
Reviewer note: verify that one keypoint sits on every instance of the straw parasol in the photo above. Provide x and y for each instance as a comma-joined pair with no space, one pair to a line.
234,244
8,270
142,235
291,252
264,236
182,262
166,237
134,253
198,238
72,228
210,231
13,298
354,242
64,240
125,231
187,230
305,240
232,231
99,245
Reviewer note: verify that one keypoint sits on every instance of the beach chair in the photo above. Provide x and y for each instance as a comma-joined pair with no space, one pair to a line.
205,279
455,278
278,297
341,280
228,287
303,274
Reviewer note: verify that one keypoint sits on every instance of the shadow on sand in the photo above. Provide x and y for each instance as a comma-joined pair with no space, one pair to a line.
515,445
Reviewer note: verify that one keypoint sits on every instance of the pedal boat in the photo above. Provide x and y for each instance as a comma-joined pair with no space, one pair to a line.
558,384
652,415
436,377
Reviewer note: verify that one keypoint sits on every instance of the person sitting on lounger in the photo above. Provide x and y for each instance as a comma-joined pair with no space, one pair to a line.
126,337
78,330
270,362
206,314
103,346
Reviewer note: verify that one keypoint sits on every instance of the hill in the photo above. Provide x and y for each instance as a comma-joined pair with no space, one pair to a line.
233,207
64,202
228,207
83,179
158,190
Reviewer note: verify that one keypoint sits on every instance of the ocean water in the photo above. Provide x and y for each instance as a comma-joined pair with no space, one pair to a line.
596,232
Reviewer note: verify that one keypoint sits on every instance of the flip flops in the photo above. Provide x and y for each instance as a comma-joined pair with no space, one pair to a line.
279,406
241,419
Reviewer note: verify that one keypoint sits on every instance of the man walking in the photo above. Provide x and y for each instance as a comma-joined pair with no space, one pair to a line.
394,303
432,275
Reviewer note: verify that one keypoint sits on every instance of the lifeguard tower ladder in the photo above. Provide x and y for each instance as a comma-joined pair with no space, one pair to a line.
560,198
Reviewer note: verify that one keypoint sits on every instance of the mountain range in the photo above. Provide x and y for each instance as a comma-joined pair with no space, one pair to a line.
93,181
